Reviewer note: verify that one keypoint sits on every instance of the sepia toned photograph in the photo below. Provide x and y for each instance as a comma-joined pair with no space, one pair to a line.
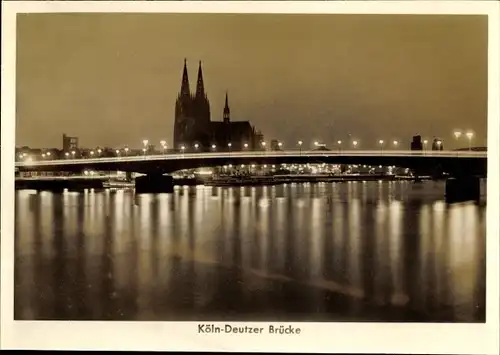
250,172
213,167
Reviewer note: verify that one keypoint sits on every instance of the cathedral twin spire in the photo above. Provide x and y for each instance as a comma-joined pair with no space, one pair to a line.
200,87
200,97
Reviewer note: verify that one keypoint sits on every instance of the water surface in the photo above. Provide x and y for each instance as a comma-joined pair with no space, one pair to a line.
373,251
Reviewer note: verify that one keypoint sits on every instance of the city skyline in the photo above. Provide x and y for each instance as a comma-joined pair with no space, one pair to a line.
112,79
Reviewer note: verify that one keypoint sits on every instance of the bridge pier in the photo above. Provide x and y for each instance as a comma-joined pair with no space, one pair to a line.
463,188
128,176
154,183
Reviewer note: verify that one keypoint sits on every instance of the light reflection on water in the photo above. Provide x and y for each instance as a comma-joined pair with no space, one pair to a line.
378,251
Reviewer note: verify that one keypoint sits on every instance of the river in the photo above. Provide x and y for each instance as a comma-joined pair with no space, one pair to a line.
353,251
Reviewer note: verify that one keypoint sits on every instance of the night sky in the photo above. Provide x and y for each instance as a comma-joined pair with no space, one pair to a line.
112,79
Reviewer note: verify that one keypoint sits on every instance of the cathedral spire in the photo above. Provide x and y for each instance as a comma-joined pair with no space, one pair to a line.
200,88
185,81
226,114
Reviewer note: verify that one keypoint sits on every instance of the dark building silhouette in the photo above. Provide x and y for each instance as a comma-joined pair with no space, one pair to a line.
416,143
193,128
69,143
437,144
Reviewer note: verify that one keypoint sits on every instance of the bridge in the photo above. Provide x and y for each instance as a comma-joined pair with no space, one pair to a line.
464,167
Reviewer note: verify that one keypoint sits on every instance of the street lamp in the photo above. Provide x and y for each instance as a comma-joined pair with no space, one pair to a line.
117,152
126,150
280,144
245,145
425,144
48,154
163,145
66,154
214,146
73,153
43,155
457,134
196,146
316,143
469,136
145,143
91,153
381,142
355,143
183,148
144,150
395,143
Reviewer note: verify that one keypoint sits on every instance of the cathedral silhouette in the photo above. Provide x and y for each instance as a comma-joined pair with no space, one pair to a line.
194,130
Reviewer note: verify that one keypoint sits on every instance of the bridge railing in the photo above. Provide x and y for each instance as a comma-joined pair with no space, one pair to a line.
253,154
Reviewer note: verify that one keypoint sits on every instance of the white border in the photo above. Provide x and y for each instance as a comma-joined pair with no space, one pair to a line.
316,337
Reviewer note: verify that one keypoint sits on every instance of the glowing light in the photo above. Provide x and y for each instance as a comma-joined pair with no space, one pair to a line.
214,146
145,142
163,143
196,145
339,142
300,142
457,134
245,145
355,143
229,144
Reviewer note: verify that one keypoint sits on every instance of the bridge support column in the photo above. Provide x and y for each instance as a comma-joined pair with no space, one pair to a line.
128,176
154,183
464,188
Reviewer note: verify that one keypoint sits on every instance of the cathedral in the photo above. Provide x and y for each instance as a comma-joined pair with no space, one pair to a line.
194,130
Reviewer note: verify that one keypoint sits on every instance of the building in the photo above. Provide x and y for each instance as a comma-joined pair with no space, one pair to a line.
437,144
194,129
416,143
69,143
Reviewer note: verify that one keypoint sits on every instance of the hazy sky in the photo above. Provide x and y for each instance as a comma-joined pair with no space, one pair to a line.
112,79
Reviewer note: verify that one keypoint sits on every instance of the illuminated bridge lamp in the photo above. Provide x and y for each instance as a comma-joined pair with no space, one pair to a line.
196,145
316,143
48,154
214,146
66,154
117,152
280,144
145,142
73,153
245,145
242,165
395,143
355,143
43,155
92,153
99,151
126,150
229,144
183,148
457,134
